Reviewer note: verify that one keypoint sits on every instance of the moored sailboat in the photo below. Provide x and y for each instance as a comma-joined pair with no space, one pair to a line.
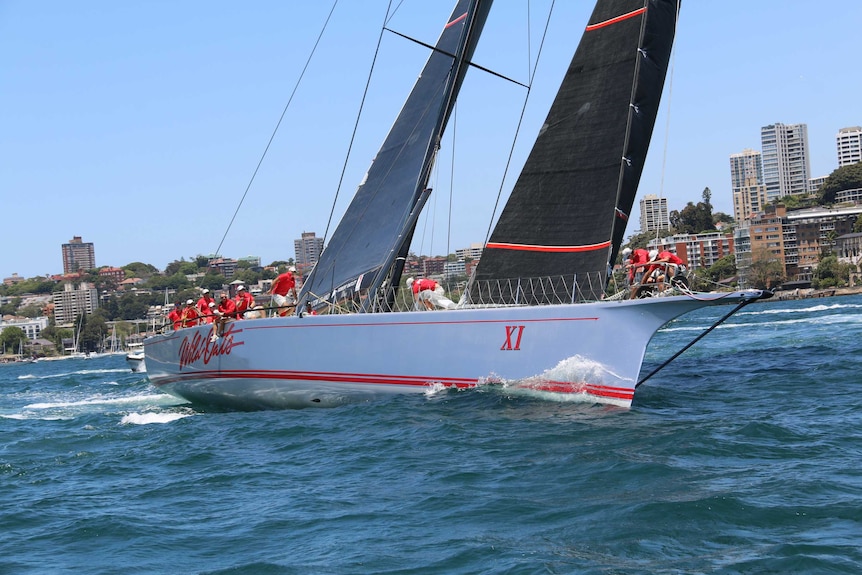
534,313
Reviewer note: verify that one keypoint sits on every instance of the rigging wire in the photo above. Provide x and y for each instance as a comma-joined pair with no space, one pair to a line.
520,122
667,121
454,121
277,125
388,15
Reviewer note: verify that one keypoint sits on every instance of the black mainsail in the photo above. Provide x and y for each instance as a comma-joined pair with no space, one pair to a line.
566,216
379,222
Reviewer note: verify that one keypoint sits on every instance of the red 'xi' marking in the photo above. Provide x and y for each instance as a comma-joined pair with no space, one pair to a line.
510,331
200,346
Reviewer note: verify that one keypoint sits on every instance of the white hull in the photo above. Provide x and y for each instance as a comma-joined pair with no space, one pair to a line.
589,351
136,362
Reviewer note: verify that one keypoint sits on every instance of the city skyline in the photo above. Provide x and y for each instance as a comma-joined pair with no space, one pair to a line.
107,131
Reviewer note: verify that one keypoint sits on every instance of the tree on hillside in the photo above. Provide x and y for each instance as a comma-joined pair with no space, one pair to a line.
765,271
721,217
12,339
723,269
844,178
92,333
830,273
694,219
139,270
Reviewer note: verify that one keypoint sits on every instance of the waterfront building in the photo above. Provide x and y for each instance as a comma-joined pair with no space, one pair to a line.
252,261
32,327
78,255
12,280
224,266
307,249
474,252
849,143
71,302
654,214
786,159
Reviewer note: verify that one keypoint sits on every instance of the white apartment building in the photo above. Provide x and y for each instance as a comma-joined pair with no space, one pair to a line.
786,159
849,142
474,252
32,327
71,303
654,214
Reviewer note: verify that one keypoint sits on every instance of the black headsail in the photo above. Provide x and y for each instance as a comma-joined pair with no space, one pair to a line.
379,222
566,216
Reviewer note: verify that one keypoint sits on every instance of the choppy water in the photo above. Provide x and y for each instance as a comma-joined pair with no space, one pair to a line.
742,457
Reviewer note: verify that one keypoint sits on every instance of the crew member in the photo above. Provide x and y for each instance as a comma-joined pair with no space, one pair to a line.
204,302
175,316
424,290
190,314
244,301
284,291
225,311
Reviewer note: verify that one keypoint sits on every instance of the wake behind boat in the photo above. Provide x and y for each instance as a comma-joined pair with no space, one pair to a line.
536,313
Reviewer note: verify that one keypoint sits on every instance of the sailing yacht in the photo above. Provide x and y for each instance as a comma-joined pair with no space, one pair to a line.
535,315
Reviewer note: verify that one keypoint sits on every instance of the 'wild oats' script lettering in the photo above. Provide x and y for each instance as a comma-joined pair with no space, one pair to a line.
200,346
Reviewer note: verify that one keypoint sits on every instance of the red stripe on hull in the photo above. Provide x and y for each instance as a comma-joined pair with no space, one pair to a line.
559,387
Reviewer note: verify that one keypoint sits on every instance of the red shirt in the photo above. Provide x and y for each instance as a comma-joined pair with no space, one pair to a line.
423,284
639,257
670,258
190,316
204,304
227,307
244,301
175,317
207,315
283,284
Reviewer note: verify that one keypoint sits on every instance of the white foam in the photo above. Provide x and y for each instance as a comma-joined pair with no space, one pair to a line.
97,401
150,417
814,308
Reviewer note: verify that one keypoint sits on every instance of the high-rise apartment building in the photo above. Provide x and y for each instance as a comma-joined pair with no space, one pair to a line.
78,255
71,303
746,184
307,249
654,214
786,159
849,142
746,168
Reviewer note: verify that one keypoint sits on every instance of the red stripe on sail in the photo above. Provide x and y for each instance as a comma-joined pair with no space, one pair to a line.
550,249
638,12
456,20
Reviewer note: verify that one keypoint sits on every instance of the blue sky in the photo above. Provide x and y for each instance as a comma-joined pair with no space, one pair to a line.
138,125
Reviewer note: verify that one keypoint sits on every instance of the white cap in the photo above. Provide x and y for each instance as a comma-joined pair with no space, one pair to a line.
627,251
240,288
291,269
206,291
190,302
410,281
212,304
653,254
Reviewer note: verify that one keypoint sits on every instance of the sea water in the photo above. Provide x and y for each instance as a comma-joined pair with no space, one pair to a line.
742,456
